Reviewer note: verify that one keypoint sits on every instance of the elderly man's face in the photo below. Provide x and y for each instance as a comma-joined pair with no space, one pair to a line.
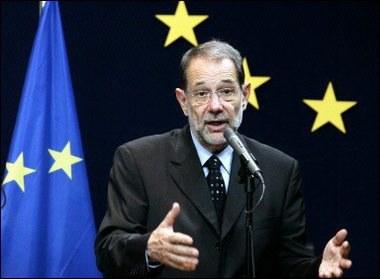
208,121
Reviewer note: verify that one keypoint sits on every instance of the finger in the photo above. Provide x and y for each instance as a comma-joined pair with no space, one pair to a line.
340,237
183,267
171,216
183,250
344,263
182,260
325,274
345,249
180,238
338,273
328,274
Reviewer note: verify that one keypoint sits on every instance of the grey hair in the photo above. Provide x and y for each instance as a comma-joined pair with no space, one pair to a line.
213,50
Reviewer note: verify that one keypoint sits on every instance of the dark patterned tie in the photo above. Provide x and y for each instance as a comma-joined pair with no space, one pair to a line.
216,184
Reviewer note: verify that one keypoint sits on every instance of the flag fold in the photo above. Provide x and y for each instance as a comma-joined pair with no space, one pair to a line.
47,225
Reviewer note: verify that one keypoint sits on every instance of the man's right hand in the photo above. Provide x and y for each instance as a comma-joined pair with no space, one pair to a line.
170,248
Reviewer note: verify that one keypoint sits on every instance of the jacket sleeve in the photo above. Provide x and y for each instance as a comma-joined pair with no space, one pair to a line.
296,253
122,238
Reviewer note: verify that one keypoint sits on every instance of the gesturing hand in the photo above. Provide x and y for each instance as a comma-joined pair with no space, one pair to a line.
335,256
170,248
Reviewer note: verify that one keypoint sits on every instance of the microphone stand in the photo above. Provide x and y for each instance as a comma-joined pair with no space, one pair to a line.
245,177
247,173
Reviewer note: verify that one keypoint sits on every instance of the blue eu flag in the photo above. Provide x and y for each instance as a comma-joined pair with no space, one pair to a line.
47,225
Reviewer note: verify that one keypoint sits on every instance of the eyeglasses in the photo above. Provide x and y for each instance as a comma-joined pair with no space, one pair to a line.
225,94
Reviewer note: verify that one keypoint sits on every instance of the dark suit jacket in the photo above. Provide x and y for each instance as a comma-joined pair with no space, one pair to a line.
151,173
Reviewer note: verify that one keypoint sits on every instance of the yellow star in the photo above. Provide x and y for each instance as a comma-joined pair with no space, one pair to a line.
329,110
255,83
17,171
181,24
63,160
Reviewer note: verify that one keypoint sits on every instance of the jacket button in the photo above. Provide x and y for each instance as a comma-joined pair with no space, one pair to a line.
217,246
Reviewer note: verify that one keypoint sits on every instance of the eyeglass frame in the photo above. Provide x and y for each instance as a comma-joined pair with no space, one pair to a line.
217,92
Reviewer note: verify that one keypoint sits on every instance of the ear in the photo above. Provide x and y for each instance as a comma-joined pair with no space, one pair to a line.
182,100
246,93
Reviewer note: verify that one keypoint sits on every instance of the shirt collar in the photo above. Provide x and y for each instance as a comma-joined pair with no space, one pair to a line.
225,156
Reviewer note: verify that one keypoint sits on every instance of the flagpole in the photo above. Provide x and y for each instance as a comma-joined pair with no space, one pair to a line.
42,4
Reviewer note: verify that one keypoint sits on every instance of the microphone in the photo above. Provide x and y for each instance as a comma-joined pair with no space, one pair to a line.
246,157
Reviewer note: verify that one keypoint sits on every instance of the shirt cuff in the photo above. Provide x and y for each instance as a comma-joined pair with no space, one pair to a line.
151,265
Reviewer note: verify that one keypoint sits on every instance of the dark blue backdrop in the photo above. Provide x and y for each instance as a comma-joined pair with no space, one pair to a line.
124,81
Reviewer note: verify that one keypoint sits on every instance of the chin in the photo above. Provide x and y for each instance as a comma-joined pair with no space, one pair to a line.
215,138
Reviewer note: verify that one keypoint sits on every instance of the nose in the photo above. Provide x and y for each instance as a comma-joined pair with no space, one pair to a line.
215,103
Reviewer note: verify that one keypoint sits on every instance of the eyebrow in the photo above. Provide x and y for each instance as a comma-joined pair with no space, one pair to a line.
229,81
199,83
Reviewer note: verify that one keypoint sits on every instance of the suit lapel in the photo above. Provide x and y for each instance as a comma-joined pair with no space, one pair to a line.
186,170
236,198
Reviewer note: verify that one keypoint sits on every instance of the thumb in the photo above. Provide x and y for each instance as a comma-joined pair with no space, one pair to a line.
171,216
340,237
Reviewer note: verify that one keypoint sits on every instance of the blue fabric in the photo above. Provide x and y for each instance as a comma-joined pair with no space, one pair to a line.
47,229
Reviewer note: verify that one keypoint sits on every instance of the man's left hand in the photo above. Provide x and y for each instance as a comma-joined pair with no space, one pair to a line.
335,256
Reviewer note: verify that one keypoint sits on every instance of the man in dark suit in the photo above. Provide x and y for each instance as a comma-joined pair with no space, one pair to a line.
175,209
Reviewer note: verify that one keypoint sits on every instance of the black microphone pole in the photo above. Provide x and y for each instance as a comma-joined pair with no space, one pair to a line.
246,175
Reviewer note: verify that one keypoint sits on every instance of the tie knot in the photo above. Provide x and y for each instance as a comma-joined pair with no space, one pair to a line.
213,163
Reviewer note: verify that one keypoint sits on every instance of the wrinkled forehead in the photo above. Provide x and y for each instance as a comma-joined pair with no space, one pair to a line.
211,73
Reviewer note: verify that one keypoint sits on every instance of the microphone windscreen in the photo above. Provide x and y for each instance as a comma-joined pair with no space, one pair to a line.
228,133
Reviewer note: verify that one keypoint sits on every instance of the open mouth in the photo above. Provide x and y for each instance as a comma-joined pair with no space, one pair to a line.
216,126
